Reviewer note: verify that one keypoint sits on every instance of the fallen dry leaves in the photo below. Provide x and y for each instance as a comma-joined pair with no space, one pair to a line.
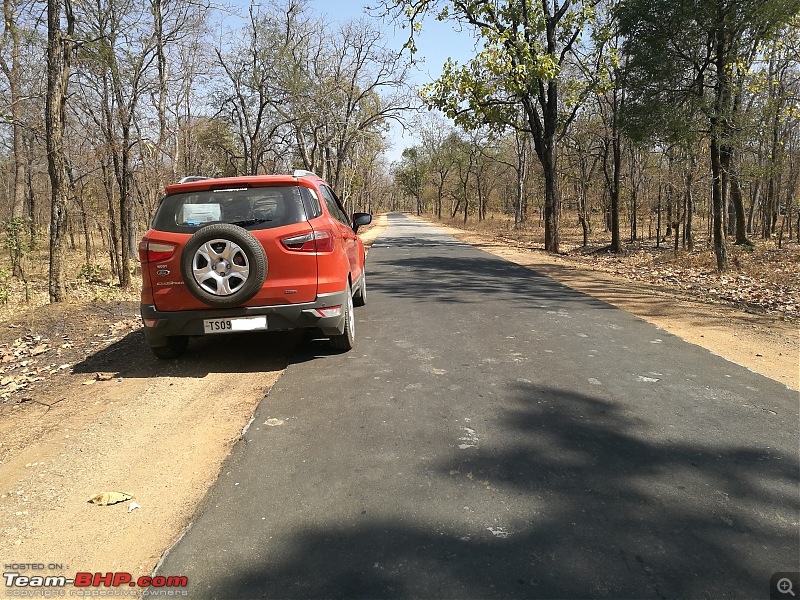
33,357
699,281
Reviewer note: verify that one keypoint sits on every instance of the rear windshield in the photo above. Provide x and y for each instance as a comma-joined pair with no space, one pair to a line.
251,208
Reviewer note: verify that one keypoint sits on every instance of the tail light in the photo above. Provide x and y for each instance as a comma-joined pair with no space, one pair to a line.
315,241
155,251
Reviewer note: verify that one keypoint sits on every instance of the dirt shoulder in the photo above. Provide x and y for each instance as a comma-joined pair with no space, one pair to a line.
85,408
119,420
764,343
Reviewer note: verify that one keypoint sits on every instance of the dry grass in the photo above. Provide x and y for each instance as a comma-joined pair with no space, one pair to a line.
84,284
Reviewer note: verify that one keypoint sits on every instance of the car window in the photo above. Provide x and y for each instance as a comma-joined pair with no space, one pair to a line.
313,208
333,205
251,208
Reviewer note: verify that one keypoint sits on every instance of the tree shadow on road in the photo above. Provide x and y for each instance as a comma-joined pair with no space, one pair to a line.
588,502
470,279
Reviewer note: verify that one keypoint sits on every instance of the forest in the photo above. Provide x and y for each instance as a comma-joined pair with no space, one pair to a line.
671,122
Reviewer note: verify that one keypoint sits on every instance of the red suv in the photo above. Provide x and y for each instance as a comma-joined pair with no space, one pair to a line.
261,253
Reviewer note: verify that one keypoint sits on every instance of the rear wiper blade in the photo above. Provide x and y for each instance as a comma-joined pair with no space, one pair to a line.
247,222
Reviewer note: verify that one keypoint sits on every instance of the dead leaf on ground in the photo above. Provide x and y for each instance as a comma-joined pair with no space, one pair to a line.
40,349
104,376
108,498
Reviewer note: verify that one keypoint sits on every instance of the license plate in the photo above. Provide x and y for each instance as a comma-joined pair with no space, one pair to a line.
241,324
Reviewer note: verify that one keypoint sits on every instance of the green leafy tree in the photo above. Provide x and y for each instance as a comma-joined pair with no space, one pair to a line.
776,87
685,58
410,174
526,46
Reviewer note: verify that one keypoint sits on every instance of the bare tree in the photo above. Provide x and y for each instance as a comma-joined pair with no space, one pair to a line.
439,141
60,44
12,69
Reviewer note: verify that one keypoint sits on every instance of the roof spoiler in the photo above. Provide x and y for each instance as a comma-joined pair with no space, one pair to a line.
303,173
193,178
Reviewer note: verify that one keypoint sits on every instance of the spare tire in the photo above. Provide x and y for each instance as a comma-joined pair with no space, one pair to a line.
223,265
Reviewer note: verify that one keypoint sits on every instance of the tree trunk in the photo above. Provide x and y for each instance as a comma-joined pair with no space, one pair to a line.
718,206
670,204
59,54
13,73
439,198
614,194
158,25
113,237
634,173
30,198
687,229
522,160
544,129
583,216
634,212
125,210
616,165
738,207
479,189
658,222
797,227
755,192
552,202
719,133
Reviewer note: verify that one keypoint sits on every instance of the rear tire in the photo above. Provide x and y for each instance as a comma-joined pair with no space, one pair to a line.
360,299
175,347
347,339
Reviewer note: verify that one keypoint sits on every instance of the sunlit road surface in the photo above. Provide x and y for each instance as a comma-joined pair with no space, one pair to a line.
496,434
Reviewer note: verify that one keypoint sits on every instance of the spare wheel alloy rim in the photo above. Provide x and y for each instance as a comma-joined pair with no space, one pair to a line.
220,267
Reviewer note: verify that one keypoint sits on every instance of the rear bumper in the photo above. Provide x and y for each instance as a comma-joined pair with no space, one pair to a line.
281,317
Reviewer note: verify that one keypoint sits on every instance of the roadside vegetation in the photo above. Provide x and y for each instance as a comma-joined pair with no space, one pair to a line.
656,137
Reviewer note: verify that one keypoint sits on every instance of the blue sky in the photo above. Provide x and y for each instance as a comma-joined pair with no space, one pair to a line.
435,44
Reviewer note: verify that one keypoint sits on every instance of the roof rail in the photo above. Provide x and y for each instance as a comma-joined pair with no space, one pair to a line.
193,178
303,173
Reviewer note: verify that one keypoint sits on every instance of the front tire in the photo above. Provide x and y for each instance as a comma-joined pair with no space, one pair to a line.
347,339
360,299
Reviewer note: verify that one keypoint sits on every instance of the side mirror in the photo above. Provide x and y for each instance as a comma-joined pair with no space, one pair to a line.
360,219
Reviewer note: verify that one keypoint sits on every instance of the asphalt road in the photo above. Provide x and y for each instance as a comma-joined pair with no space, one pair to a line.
496,434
